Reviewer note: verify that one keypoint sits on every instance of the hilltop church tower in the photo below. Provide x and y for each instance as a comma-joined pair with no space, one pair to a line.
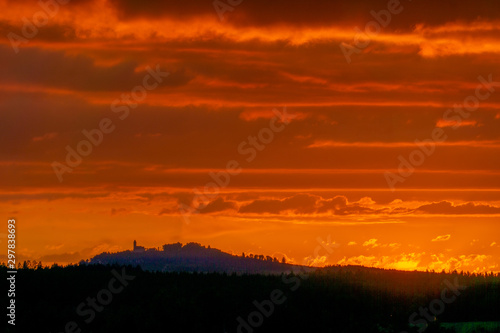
138,248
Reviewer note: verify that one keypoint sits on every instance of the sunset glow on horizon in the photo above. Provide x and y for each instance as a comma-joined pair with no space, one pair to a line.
328,133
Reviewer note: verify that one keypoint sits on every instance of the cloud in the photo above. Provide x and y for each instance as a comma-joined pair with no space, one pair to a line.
262,206
446,207
441,238
306,204
422,261
297,204
52,32
167,211
319,261
339,205
358,260
46,136
54,247
366,201
464,262
218,205
50,196
119,211
404,261
184,200
371,242
226,77
462,123
323,13
351,243
409,144
77,72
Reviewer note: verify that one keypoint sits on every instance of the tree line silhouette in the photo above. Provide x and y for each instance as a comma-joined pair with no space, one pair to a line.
263,257
331,299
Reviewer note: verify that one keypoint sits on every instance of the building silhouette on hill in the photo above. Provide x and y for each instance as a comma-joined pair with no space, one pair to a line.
138,248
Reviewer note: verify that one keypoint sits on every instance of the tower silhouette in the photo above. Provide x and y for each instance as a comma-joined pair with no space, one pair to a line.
138,248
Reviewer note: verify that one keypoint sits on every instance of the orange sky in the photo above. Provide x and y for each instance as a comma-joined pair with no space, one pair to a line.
323,185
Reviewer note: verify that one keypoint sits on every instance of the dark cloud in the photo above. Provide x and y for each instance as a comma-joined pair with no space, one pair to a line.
53,32
262,206
209,72
218,205
318,13
69,3
215,206
339,205
165,196
167,211
446,207
305,204
298,204
49,196
56,69
130,9
119,211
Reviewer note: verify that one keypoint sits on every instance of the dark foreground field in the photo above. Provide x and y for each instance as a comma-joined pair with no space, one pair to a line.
97,298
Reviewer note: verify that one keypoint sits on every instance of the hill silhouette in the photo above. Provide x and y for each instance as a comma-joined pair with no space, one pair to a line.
194,257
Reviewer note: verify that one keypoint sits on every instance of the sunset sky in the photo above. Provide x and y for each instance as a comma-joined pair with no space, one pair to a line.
316,117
